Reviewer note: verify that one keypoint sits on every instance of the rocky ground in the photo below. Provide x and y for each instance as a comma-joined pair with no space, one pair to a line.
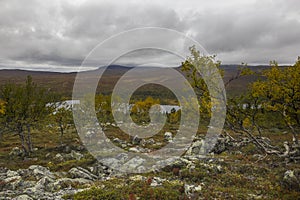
231,171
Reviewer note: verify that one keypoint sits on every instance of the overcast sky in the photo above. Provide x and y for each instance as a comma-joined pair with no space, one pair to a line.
57,35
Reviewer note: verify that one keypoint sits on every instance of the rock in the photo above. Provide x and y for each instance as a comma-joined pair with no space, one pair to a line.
59,157
191,189
134,149
8,194
99,170
112,162
168,136
137,178
11,173
181,162
32,190
150,141
122,157
12,182
43,183
66,191
76,155
48,155
157,181
133,164
80,172
196,148
26,184
222,145
140,169
24,172
67,149
136,140
3,170
67,183
35,149
291,180
117,140
16,151
80,148
40,171
22,197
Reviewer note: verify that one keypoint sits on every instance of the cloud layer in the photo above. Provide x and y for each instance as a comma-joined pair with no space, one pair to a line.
57,35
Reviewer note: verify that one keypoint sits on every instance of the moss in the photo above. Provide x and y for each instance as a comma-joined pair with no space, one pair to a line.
95,194
250,149
124,189
196,175
67,165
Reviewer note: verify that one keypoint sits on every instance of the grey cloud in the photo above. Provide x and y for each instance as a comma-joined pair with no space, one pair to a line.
59,33
252,34
98,20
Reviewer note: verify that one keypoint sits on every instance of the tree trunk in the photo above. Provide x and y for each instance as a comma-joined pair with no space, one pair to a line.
29,142
22,138
61,133
294,134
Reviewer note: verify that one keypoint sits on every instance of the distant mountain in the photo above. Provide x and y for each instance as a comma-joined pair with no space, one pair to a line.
63,82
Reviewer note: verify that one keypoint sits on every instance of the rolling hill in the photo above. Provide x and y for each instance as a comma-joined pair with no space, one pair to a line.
63,82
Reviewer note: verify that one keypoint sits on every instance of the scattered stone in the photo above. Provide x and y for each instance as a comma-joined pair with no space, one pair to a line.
134,149
35,149
11,173
291,180
136,140
133,164
67,149
12,183
137,178
40,171
80,172
22,197
117,140
222,145
48,155
191,189
80,148
99,170
168,136
122,157
16,151
59,157
68,182
196,148
45,185
157,181
151,141
76,155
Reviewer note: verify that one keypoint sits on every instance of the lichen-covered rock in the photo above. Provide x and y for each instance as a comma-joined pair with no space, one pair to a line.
16,151
22,197
291,180
76,155
67,183
80,172
39,171
168,136
196,148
